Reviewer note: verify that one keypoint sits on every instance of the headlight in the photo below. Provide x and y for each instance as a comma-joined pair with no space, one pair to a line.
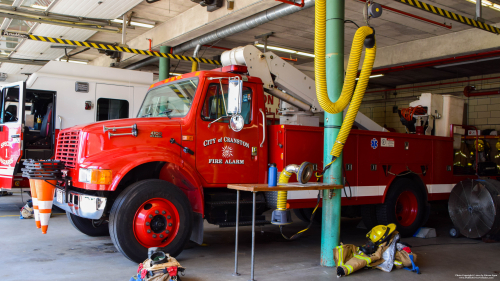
95,176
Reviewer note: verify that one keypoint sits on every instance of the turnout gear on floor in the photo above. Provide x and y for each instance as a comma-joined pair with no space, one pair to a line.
389,253
152,270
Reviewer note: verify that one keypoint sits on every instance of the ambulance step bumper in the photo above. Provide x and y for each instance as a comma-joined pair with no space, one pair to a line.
82,205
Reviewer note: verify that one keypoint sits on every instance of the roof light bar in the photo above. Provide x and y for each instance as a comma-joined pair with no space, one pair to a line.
286,50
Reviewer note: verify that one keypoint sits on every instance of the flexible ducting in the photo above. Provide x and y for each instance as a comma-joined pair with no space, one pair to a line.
346,96
240,26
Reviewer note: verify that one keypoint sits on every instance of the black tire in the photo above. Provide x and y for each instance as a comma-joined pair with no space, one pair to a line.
386,213
306,213
123,212
454,233
88,226
369,215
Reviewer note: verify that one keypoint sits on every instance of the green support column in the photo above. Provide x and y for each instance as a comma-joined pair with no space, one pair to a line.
330,228
164,64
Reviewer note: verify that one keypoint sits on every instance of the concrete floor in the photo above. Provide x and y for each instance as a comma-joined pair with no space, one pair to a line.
65,253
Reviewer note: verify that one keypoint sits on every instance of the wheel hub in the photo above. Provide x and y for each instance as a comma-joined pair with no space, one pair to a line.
406,208
156,223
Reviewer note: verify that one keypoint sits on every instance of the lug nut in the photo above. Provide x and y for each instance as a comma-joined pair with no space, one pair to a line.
154,235
150,216
147,223
149,230
168,217
156,212
161,235
163,212
169,224
167,231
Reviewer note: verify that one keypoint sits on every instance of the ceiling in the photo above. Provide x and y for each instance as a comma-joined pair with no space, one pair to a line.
154,13
295,32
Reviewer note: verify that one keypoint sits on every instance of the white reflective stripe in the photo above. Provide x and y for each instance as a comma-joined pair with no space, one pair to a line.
349,269
302,194
440,188
7,171
44,219
37,215
35,201
45,205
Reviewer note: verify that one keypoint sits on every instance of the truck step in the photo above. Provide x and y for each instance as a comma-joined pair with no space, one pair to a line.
242,223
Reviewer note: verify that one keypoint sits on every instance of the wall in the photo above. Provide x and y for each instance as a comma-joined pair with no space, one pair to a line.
483,112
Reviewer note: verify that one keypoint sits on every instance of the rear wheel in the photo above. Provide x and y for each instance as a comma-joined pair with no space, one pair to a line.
369,215
306,213
404,205
150,213
89,227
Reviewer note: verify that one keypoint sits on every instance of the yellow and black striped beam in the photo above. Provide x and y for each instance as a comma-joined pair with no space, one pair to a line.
107,47
450,15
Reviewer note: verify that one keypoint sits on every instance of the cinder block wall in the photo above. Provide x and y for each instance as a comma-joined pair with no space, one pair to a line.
483,111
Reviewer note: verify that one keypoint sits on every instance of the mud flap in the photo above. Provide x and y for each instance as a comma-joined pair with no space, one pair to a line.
197,233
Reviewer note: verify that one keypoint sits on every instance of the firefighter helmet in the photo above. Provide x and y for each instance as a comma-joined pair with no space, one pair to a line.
379,233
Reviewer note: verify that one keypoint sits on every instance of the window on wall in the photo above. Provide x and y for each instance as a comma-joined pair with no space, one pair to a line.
215,104
108,109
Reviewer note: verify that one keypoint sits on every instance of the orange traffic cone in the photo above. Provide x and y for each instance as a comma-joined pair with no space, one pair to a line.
34,200
45,194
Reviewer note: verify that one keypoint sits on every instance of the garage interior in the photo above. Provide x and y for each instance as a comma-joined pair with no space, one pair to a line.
107,60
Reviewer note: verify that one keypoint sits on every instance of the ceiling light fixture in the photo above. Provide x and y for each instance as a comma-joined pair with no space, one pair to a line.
286,50
135,23
465,62
487,4
38,7
374,76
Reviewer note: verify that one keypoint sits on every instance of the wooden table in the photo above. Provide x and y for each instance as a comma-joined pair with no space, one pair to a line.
254,188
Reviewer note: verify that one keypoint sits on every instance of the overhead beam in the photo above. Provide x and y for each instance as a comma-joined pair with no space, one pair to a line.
54,16
61,23
191,24
468,41
23,61
450,15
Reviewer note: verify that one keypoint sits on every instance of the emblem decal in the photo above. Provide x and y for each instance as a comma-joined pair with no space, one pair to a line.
227,152
374,143
155,135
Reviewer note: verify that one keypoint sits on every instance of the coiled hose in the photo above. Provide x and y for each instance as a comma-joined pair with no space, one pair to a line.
352,69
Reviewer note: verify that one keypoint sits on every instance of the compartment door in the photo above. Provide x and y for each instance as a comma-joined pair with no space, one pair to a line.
11,122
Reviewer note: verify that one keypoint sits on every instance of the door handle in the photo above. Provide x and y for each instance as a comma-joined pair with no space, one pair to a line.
15,136
60,122
263,127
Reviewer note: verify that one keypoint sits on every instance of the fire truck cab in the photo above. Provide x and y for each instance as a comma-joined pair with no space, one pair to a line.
58,96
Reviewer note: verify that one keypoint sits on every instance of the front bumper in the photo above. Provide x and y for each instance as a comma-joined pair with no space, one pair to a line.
82,205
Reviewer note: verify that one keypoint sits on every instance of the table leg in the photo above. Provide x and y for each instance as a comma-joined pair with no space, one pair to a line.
253,239
236,238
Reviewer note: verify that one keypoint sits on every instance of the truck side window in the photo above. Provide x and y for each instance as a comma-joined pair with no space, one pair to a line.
10,105
108,109
213,106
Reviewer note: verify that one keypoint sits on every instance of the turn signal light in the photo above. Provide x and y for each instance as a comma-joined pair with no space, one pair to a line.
95,176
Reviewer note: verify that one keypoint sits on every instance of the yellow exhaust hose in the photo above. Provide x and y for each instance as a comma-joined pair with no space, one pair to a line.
350,78
282,195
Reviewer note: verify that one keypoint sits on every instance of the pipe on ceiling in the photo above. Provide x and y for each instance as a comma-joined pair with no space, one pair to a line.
469,91
240,26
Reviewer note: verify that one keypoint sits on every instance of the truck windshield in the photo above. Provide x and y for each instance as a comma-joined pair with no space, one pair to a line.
171,100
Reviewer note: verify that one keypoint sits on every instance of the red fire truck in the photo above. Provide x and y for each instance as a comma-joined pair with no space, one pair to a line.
152,180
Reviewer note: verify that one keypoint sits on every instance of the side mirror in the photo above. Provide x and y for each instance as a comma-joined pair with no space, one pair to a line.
234,97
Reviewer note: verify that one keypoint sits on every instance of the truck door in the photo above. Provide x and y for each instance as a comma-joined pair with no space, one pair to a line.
222,155
11,122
